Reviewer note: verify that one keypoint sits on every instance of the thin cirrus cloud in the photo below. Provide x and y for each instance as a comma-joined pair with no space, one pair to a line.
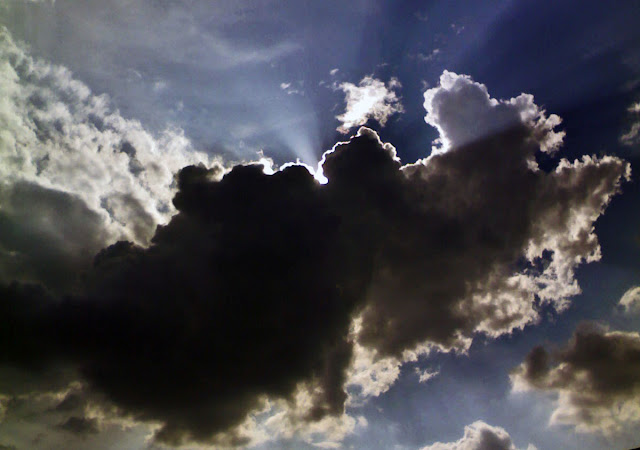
594,378
248,315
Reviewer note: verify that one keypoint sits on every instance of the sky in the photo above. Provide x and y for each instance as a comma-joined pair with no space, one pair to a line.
294,224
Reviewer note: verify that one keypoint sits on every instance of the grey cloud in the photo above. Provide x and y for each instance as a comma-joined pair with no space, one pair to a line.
632,136
253,290
75,174
478,208
594,376
630,301
46,234
80,425
479,436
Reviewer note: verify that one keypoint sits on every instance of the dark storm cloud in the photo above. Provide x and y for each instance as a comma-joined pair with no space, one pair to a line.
46,235
252,288
80,425
596,377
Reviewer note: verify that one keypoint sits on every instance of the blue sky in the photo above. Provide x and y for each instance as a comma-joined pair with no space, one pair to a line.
233,82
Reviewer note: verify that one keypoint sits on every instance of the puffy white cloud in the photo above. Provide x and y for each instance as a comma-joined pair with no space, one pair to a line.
630,301
479,436
370,99
594,377
463,112
72,167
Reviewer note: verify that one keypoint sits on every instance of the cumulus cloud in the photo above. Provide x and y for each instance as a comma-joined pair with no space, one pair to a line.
630,301
463,112
273,295
479,436
595,379
74,174
370,99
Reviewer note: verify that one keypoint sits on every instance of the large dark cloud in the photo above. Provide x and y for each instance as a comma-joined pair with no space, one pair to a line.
252,288
46,235
596,377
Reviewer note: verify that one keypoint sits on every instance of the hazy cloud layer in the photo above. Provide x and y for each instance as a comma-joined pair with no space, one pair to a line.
74,174
595,378
266,295
370,99
479,436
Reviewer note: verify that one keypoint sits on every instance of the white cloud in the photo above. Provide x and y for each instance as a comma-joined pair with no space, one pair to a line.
479,436
334,72
370,99
290,89
426,374
59,140
463,112
630,301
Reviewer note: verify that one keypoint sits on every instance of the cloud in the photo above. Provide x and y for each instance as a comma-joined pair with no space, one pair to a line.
290,89
630,301
632,136
479,436
595,379
463,112
426,375
75,175
80,425
422,57
370,99
274,300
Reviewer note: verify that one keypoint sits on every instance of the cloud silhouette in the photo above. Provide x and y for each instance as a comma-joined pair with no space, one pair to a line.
268,287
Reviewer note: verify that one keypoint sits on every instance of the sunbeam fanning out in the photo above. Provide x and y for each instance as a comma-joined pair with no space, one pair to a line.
258,224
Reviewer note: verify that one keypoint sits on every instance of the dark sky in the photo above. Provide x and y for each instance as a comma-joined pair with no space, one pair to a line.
277,224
